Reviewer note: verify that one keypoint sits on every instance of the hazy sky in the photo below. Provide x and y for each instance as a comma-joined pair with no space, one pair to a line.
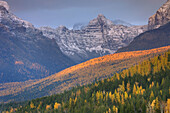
68,12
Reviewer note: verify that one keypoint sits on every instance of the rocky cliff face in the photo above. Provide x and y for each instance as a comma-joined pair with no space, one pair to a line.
82,25
98,38
158,34
24,52
161,17
151,39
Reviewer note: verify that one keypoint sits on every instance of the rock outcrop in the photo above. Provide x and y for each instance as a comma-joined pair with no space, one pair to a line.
151,39
100,37
161,17
25,53
158,34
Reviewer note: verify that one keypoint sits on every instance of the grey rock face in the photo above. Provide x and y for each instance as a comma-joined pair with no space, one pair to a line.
25,53
82,25
161,17
155,38
98,38
4,4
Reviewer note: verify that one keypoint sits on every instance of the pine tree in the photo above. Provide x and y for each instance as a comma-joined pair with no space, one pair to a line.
32,105
115,109
168,106
126,95
57,105
134,89
151,96
157,85
157,105
48,107
128,87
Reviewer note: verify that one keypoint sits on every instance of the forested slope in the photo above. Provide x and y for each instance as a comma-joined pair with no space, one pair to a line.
81,74
141,88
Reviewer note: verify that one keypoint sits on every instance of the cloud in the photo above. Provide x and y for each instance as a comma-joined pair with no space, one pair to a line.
24,5
68,12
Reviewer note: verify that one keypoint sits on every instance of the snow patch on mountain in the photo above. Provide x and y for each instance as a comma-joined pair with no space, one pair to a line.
7,18
98,38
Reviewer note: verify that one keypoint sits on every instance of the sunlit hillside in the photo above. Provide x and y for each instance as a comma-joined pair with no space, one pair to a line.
143,88
80,74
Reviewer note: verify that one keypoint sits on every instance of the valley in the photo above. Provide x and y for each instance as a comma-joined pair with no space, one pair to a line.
101,66
81,74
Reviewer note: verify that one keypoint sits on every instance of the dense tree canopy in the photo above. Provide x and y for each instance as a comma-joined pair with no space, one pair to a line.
142,88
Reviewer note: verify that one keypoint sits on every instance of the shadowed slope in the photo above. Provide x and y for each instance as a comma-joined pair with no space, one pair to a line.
151,39
80,74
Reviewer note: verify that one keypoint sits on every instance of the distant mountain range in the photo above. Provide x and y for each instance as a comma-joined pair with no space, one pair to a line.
82,25
25,53
100,37
30,55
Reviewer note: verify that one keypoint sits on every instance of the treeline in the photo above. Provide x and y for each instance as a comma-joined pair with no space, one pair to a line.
143,88
81,74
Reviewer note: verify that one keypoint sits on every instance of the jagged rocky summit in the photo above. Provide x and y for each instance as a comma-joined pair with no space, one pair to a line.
25,53
100,37
158,34
161,17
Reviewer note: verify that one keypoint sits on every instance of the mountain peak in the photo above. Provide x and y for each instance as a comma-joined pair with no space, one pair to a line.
101,16
100,20
9,19
161,17
4,4
62,28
